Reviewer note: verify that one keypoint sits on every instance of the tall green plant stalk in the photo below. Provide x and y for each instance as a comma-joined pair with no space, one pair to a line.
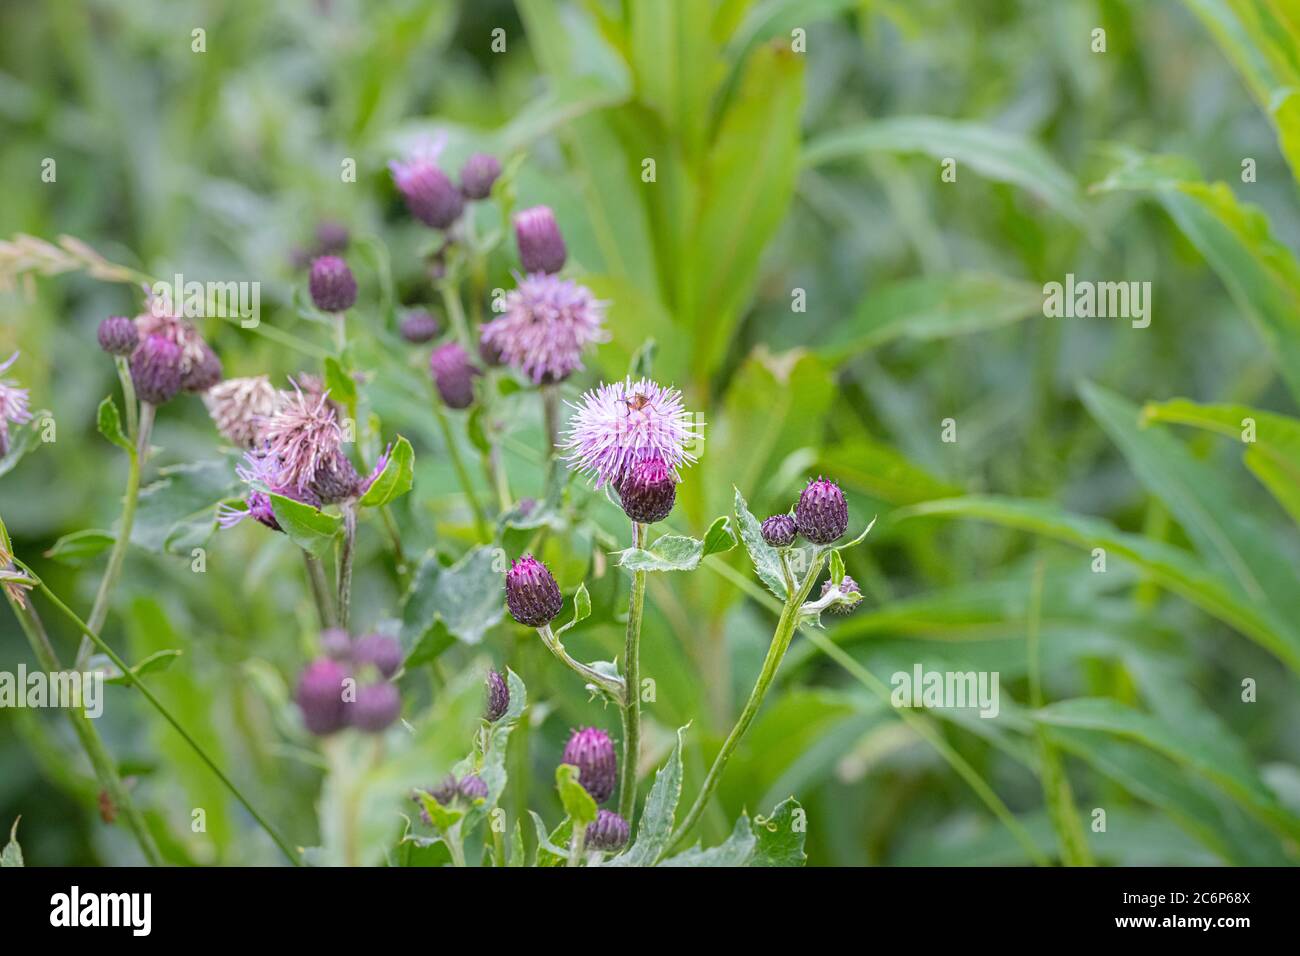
349,509
785,628
632,676
320,590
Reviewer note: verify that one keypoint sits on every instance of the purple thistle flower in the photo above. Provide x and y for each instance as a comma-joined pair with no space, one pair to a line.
541,247
609,832
302,437
445,792
419,326
847,586
532,595
261,471
156,370
779,531
822,513
472,787
117,335
320,696
430,195
454,375
376,708
13,406
240,408
331,283
548,322
381,651
649,492
622,423
478,174
592,752
498,696
200,368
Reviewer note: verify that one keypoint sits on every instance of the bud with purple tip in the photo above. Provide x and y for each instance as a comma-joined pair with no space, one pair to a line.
498,696
478,174
376,707
822,514
649,491
382,651
779,531
849,588
419,326
156,370
454,375
532,595
592,752
117,335
541,247
332,285
320,696
609,832
430,196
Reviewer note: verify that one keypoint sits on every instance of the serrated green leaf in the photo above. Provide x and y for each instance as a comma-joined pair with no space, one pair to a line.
110,426
780,836
672,552
767,563
736,850
518,856
80,546
577,802
309,528
658,814
396,478
837,568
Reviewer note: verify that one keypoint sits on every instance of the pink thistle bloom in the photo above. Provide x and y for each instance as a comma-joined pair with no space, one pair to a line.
13,405
547,324
301,437
621,424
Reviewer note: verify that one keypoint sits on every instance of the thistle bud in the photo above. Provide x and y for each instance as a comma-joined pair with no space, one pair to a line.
779,531
453,375
156,370
446,791
532,595
430,196
320,696
204,372
592,752
609,832
331,237
478,174
473,788
498,696
419,326
117,335
848,587
541,247
380,650
335,479
376,707
332,285
336,644
648,493
822,514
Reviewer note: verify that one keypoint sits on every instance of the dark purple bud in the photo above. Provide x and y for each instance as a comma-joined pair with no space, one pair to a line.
779,531
847,586
430,196
336,644
489,352
156,370
381,650
454,375
473,788
203,373
478,174
609,832
498,696
592,752
333,287
541,247
446,791
118,336
336,479
649,492
320,696
331,237
822,514
532,595
419,326
376,707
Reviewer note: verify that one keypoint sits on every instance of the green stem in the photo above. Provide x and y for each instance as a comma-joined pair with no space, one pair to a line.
785,628
320,590
456,315
458,463
345,561
577,845
128,396
551,414
340,333
632,675
612,686
116,557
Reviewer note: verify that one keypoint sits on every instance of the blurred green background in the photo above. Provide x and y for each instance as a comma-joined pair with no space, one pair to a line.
782,177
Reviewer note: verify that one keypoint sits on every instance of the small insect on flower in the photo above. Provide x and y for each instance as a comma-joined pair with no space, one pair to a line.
620,424
430,195
547,325
301,437
13,405
241,407
592,752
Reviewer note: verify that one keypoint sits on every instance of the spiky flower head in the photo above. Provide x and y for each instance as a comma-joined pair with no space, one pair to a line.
241,407
200,368
822,513
301,438
320,696
419,326
156,369
453,375
13,405
541,247
547,323
532,595
648,492
620,424
117,335
331,283
336,479
779,530
592,752
608,832
498,696
376,708
261,472
848,588
381,651
430,195
478,174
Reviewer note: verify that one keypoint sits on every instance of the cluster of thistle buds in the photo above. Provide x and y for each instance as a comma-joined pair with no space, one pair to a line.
591,751
351,684
467,791
166,355
821,516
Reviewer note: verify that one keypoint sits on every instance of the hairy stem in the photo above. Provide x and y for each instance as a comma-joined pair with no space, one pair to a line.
349,509
551,414
458,463
612,686
320,590
632,675
128,396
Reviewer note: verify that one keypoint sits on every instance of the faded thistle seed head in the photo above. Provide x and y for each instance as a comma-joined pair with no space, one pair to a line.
547,325
779,531
430,195
156,370
649,492
376,708
847,587
302,438
336,479
320,696
332,285
117,335
381,651
419,326
541,247
498,696
241,407
822,513
532,595
592,752
478,174
609,832
453,375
